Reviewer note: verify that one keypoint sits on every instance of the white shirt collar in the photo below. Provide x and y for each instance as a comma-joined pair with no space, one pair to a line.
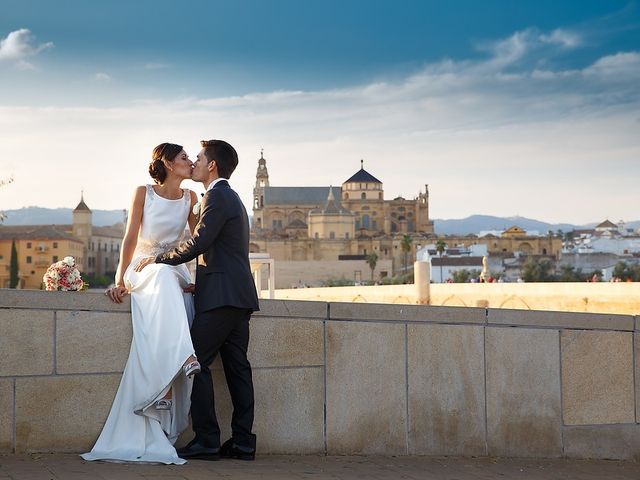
219,179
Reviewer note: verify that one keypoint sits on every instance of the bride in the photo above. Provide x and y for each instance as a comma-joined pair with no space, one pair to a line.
152,404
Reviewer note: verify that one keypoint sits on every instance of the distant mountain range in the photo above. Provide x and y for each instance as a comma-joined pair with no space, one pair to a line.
461,226
57,216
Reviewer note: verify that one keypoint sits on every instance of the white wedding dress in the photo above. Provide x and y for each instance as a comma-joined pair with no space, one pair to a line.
161,313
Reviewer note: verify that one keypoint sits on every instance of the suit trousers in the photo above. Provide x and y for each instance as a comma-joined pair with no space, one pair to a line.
223,330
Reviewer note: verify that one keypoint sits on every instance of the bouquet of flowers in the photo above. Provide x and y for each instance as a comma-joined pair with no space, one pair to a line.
63,275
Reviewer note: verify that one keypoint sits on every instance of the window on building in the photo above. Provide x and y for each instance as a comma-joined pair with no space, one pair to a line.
346,235
374,225
380,195
363,196
54,258
316,235
28,259
332,235
99,246
365,222
28,244
106,263
365,251
276,224
55,244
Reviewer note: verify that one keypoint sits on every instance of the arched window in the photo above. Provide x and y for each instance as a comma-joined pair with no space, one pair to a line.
346,196
363,196
365,222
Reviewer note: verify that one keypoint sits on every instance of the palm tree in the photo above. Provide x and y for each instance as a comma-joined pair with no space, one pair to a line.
405,245
441,246
372,261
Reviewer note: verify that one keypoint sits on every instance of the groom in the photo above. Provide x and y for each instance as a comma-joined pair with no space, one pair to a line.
225,297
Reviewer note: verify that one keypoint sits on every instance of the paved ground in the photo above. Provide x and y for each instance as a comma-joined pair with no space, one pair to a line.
72,467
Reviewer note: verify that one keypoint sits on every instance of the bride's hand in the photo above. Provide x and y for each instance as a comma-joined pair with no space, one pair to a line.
116,294
144,262
191,288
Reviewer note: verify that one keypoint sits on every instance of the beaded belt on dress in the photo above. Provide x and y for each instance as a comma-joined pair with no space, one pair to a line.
153,249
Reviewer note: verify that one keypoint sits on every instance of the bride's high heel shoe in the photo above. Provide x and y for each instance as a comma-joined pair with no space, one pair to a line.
164,404
191,368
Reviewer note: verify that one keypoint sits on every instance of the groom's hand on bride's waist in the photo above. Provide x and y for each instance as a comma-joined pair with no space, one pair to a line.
191,288
144,262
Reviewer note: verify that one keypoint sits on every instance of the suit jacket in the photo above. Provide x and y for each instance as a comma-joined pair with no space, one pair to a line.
221,238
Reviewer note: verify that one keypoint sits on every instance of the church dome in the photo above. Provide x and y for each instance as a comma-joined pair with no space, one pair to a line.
362,176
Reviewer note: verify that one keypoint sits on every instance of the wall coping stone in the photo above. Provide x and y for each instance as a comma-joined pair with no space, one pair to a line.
550,319
292,308
76,301
406,313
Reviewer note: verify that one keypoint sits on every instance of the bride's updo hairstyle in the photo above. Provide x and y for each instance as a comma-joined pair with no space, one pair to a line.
162,154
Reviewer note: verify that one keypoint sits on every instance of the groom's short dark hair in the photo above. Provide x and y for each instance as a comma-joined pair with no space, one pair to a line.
224,154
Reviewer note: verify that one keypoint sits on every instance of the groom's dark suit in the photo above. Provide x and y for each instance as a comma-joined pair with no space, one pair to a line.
225,297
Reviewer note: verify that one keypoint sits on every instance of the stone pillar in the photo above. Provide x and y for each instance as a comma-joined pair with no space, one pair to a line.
422,282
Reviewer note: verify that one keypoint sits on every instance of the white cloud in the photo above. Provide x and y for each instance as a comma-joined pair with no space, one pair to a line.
621,64
562,37
102,77
20,45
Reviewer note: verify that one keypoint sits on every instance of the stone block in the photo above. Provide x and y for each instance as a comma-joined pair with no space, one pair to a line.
406,313
289,410
612,442
6,417
92,342
291,308
366,388
278,342
539,318
26,342
597,377
95,301
523,392
446,390
62,414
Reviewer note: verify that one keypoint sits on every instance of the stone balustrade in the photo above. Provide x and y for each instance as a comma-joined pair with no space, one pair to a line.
347,378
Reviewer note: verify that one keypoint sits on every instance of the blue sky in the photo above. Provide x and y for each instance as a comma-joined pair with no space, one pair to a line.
535,101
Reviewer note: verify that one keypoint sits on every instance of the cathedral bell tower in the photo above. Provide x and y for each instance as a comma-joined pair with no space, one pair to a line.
262,181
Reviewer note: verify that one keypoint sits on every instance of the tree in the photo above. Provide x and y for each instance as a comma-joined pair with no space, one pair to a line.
570,274
13,269
464,275
372,261
4,182
625,272
405,245
441,246
535,270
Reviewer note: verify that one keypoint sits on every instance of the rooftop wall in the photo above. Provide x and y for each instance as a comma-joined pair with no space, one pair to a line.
345,378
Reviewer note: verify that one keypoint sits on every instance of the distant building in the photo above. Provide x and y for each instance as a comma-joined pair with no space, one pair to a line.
298,224
96,249
38,246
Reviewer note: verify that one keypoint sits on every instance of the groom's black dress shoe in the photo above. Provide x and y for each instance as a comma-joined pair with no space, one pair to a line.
195,449
233,450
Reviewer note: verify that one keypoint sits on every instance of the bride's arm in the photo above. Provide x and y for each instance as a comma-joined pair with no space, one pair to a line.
131,234
192,220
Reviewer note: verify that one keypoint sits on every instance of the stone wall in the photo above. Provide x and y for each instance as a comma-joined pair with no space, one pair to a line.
604,297
348,378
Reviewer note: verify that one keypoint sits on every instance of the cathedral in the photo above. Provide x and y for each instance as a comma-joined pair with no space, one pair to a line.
334,223
357,208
